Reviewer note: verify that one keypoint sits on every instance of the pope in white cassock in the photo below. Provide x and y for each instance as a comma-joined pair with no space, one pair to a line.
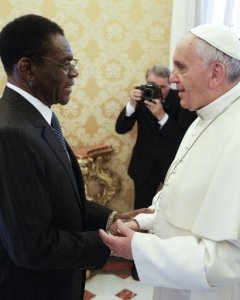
192,250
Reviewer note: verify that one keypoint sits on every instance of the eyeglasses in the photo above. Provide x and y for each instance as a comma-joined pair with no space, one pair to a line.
69,66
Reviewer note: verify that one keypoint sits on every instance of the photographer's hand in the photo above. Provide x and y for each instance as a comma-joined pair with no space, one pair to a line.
156,108
135,95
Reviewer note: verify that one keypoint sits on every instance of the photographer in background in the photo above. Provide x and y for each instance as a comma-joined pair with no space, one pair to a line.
162,124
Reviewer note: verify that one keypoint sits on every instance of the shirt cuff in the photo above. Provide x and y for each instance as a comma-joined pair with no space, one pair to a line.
129,109
145,221
163,121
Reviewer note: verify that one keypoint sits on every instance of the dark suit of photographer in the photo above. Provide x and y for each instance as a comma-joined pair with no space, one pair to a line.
161,126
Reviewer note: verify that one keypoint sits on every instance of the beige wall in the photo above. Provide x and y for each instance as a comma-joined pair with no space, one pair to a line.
115,41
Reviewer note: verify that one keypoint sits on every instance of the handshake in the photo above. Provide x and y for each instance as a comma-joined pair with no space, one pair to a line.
111,227
118,237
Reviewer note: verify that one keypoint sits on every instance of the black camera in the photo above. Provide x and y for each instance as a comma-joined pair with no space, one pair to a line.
150,91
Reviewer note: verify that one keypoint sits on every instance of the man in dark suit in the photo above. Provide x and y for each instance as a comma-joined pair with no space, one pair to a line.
162,124
48,230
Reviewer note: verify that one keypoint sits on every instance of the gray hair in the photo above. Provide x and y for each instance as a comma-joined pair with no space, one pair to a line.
210,54
158,70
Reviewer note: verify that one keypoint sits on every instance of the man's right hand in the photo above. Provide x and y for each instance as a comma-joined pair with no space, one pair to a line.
135,95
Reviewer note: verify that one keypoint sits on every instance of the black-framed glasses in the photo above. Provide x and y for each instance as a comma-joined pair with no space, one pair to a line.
69,66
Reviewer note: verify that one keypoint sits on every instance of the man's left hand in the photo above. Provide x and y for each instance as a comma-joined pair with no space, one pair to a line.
119,245
156,108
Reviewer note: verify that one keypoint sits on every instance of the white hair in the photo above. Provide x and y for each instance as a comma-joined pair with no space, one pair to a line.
210,54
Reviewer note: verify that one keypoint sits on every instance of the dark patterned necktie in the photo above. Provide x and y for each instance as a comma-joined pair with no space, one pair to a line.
58,131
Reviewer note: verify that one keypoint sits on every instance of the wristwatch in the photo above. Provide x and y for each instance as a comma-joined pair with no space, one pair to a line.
111,219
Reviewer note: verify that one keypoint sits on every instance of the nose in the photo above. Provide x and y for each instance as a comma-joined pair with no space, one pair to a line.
173,78
73,72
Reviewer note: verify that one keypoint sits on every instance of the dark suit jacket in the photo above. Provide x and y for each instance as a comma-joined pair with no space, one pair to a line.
48,231
154,144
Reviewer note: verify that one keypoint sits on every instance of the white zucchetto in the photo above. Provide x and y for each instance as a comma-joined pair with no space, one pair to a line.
219,36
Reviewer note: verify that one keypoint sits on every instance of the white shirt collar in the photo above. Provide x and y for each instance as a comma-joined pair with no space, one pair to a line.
45,111
212,109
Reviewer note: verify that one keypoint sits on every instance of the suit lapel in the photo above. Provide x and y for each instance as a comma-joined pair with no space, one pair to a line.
53,143
20,104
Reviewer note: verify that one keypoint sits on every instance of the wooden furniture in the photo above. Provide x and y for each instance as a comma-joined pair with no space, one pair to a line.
101,184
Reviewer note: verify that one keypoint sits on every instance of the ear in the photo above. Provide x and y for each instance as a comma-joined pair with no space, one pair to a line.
24,66
218,74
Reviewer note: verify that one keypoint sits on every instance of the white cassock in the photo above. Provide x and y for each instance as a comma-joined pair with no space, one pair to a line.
194,251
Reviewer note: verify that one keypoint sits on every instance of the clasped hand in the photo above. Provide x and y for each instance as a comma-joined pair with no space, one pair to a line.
126,217
119,245
119,236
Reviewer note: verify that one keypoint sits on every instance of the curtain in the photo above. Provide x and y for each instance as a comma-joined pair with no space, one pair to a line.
187,14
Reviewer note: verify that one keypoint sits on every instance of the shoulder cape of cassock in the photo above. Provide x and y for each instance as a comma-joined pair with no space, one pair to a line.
202,188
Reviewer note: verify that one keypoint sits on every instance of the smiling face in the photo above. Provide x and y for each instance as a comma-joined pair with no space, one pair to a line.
52,83
191,75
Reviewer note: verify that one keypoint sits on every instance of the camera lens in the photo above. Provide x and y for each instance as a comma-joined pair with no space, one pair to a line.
148,94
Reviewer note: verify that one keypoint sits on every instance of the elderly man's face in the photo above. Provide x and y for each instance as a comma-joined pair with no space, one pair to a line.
53,82
191,75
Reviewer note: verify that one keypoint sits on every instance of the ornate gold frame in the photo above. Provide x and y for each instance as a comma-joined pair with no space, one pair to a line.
92,161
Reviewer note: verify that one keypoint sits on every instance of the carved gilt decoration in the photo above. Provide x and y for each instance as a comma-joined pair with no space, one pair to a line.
101,184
